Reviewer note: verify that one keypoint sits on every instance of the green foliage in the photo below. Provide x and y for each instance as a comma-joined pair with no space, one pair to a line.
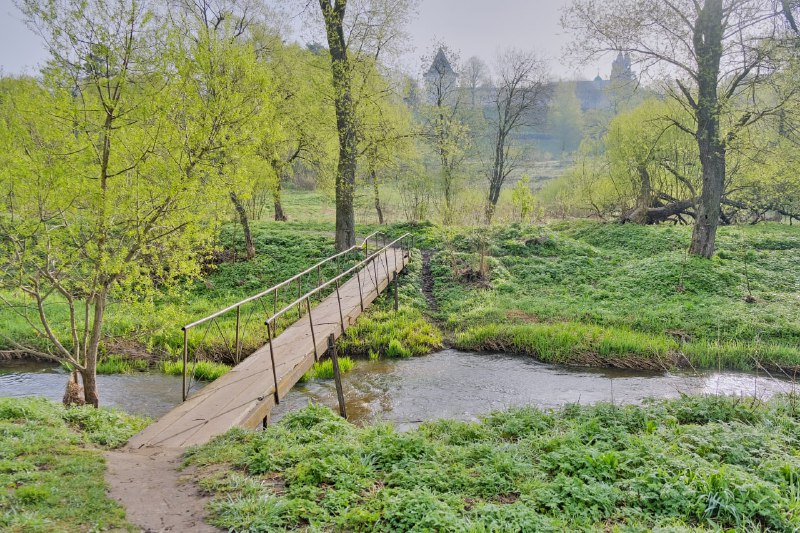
117,364
404,333
324,369
701,463
51,474
203,370
587,293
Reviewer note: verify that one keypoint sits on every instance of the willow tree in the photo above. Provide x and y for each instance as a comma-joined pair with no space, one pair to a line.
715,55
93,213
223,94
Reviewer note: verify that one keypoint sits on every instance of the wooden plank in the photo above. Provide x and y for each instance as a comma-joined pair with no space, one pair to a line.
245,395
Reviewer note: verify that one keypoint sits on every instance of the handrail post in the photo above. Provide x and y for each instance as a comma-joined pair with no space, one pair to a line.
311,322
270,332
185,359
299,294
360,293
339,300
396,296
337,375
236,350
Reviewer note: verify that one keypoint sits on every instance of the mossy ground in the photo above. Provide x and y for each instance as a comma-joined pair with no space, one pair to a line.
691,464
52,467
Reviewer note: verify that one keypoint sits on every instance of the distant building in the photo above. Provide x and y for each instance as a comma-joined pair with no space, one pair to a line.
441,81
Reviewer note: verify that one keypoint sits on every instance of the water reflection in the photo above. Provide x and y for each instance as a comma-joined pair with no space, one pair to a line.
448,384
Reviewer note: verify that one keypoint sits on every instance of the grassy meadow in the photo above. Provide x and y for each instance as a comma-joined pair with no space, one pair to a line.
52,466
572,292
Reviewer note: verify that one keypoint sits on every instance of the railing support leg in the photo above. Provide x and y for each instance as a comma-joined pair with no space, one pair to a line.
396,290
360,293
185,360
270,332
339,301
236,347
337,376
311,322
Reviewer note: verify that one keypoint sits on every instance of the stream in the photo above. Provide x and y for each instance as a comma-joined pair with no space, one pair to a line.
447,384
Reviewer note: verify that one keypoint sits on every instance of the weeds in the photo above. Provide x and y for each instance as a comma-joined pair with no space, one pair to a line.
704,463
324,369
203,370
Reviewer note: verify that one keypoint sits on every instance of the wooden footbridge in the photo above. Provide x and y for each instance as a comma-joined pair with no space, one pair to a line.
245,396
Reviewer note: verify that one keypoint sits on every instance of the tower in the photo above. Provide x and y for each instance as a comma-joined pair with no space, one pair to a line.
621,68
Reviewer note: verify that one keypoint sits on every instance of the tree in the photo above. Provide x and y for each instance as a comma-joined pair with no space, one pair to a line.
519,94
226,105
565,118
94,208
476,75
443,122
718,52
368,30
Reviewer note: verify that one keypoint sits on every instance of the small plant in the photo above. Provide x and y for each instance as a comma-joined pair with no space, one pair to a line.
117,364
324,369
203,370
396,350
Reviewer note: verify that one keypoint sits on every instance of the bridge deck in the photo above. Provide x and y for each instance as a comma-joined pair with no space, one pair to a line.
245,396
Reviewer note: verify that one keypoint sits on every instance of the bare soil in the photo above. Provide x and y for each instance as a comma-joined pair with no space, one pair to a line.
156,495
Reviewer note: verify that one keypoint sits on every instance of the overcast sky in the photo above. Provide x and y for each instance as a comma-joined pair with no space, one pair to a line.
479,28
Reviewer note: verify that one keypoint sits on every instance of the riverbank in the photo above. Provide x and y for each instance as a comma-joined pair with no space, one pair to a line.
575,293
695,463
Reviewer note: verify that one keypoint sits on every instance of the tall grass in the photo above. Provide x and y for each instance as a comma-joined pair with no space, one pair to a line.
203,370
324,369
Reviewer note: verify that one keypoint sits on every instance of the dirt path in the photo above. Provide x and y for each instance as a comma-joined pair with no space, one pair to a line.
427,280
155,495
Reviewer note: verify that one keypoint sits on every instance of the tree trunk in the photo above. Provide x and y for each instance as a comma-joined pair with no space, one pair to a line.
377,192
708,47
245,222
345,123
280,215
89,373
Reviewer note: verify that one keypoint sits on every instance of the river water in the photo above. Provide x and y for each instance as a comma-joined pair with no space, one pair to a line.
447,384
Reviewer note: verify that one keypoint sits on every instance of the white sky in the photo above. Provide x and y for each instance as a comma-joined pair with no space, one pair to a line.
473,27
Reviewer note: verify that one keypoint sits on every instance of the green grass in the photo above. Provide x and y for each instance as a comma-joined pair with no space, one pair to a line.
203,370
577,292
52,467
696,463
584,292
324,369
117,364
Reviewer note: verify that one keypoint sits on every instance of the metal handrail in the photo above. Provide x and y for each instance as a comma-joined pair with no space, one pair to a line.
312,292
270,322
298,302
284,283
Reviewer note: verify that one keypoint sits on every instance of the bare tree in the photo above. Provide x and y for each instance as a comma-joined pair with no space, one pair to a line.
519,96
444,125
718,54
476,75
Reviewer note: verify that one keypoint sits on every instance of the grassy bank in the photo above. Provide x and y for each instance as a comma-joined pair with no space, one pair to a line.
574,292
689,464
629,296
52,467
